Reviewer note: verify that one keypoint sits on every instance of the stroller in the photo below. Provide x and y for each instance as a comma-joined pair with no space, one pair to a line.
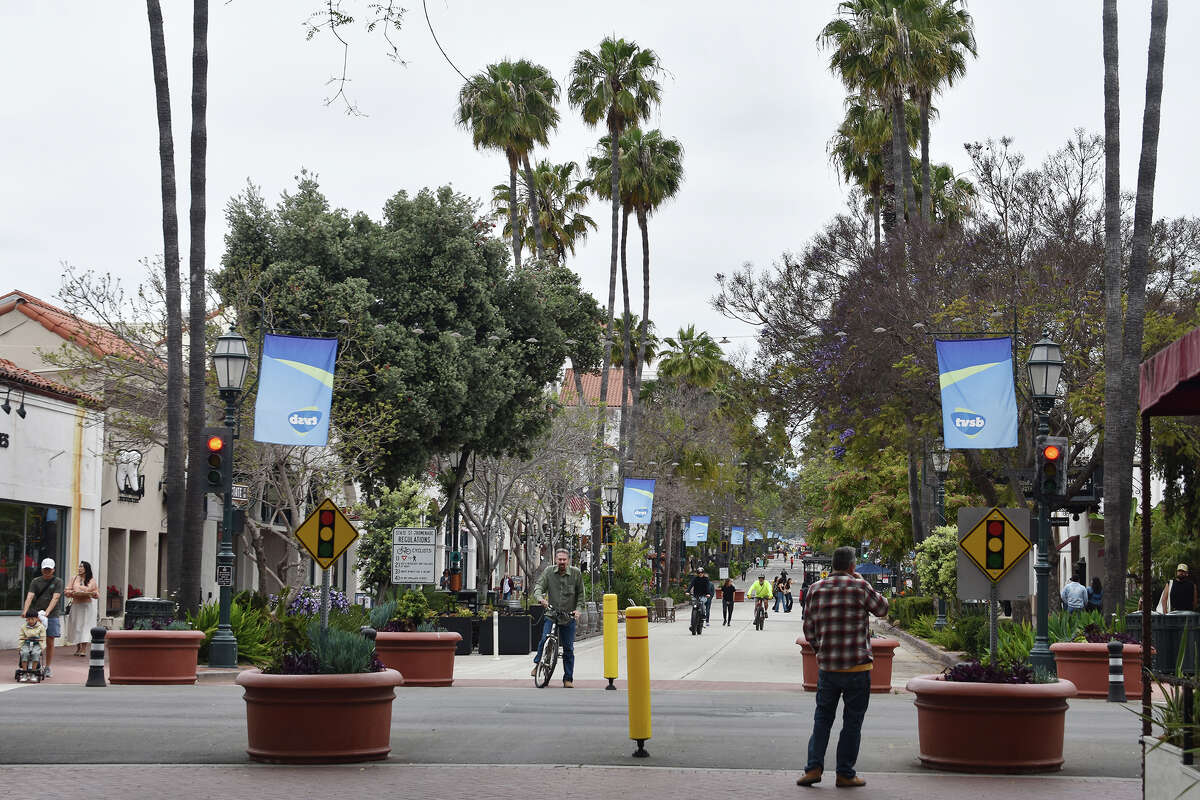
31,665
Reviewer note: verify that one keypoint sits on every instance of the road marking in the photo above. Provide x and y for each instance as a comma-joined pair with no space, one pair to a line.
7,686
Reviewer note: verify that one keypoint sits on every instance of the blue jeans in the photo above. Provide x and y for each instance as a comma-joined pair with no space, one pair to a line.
855,690
778,600
707,606
566,635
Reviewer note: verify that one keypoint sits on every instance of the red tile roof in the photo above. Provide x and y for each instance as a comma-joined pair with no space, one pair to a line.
591,388
88,335
36,384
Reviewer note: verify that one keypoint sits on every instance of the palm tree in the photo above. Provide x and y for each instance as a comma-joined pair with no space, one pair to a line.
693,357
560,196
648,349
510,106
952,197
176,437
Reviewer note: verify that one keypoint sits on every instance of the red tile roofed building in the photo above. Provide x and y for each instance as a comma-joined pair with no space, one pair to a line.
91,337
568,396
33,383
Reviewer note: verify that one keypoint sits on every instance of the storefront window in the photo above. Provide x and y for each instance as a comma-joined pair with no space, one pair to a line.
28,533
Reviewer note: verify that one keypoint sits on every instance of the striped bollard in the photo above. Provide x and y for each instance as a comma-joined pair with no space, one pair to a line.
96,658
1116,673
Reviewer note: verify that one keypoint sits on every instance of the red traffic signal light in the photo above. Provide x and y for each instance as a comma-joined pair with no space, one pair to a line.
218,453
1051,452
215,444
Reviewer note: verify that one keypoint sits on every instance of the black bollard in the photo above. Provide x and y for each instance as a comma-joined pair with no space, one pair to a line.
1116,673
368,631
96,658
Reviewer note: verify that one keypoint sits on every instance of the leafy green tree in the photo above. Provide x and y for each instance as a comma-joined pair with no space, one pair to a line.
401,507
937,563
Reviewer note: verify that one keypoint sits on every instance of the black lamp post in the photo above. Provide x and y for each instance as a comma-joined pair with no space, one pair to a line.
1045,368
610,502
231,358
941,465
455,554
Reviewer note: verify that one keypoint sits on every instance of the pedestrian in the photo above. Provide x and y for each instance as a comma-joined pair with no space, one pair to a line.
82,591
444,582
777,593
728,592
837,626
743,571
1180,594
506,587
1095,596
1074,595
560,587
787,595
45,592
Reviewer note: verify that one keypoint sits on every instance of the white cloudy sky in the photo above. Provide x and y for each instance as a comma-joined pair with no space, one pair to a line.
748,94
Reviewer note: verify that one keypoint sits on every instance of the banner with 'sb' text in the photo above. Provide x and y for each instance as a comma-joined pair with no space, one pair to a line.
979,402
637,503
295,390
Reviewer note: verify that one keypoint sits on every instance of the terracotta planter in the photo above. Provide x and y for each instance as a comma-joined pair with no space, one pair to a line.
990,727
152,657
319,719
423,658
882,651
1085,664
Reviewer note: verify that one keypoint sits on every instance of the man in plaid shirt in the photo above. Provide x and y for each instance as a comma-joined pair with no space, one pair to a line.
837,625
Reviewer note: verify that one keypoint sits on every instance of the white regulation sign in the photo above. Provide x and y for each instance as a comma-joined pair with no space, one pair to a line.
412,555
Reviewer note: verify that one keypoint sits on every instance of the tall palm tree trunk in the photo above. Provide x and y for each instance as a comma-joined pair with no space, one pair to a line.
899,157
176,441
626,352
615,169
1139,257
512,210
875,201
1114,575
904,163
193,544
644,325
533,210
926,180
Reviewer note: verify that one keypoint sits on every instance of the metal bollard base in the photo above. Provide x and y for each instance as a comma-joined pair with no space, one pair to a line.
610,686
96,658
641,751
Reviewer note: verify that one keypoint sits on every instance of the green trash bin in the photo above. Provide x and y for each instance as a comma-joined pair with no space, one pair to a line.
1171,634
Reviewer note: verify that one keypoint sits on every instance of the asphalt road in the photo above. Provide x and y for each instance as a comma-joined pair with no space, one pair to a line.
52,724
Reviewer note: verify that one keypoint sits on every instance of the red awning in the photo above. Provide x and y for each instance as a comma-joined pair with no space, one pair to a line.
1170,379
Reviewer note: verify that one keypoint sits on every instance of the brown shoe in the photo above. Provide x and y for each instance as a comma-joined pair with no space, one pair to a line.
568,684
849,783
810,777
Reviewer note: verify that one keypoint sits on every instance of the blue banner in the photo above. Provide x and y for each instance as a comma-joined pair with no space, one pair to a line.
753,535
637,503
295,390
979,403
737,535
697,531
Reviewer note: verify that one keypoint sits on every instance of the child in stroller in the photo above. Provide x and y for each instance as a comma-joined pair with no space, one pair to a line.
32,636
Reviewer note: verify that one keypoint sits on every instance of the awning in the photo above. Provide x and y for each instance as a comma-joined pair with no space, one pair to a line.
1170,379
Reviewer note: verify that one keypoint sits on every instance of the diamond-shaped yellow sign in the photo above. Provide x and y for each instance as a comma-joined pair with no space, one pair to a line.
326,533
995,545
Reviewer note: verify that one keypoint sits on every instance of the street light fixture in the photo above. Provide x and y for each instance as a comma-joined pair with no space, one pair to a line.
610,501
1044,365
455,556
940,457
231,359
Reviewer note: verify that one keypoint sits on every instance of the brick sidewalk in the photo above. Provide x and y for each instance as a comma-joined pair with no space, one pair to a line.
440,782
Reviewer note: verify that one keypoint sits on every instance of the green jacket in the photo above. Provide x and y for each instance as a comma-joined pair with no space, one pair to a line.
565,591
760,589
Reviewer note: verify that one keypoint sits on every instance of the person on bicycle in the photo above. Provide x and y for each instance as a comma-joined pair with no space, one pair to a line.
701,587
760,590
560,586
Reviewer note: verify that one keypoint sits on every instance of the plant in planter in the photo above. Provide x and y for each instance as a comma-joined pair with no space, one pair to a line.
882,651
1084,661
113,602
155,651
323,697
412,642
978,717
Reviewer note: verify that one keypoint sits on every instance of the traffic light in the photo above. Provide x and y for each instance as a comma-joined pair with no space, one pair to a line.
994,558
607,523
325,533
724,546
1052,466
218,458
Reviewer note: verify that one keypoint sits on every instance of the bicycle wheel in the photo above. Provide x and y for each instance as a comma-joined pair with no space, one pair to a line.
548,663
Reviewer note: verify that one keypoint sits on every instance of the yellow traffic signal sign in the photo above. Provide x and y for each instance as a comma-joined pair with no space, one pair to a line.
326,533
995,544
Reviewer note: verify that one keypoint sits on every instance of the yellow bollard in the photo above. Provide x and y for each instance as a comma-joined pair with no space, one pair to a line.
610,639
637,668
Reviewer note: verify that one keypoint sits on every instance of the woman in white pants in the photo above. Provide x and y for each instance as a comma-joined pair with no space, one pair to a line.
82,591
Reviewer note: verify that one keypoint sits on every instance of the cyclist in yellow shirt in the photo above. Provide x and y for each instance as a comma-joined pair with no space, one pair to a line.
760,590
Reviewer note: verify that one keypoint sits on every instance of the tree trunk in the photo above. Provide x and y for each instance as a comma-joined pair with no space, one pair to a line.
512,211
176,440
1114,574
533,210
905,162
899,158
615,168
1139,257
875,201
626,355
643,326
914,497
926,180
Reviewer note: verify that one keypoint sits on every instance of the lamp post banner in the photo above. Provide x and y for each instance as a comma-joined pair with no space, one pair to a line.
697,531
638,501
979,403
295,390
737,535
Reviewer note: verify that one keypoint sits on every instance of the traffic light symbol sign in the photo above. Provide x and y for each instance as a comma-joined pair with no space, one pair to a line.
724,546
325,534
994,544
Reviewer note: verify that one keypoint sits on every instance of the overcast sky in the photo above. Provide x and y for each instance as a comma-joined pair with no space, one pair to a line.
748,94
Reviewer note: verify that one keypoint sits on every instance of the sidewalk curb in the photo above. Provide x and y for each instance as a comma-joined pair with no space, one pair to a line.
930,651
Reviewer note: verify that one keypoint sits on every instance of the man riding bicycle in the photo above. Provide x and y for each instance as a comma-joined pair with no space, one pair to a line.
701,588
560,586
761,591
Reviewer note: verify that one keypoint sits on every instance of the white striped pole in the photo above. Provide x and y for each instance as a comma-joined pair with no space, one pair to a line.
1116,673
96,658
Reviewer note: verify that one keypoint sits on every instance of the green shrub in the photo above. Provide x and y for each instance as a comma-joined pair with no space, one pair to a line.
339,652
382,613
972,630
1013,643
903,610
922,626
251,628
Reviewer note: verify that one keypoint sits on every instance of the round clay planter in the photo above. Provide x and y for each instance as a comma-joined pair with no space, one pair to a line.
423,658
1085,664
152,657
319,719
990,727
882,651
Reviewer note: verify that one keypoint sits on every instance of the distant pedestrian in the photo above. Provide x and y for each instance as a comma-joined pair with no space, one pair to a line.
1095,596
728,592
837,626
82,591
1074,595
787,596
1180,594
506,587
45,594
777,593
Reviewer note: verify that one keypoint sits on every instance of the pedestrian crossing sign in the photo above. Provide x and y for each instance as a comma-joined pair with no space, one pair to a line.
995,545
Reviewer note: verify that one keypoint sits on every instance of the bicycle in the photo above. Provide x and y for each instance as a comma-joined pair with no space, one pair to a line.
760,613
548,658
697,625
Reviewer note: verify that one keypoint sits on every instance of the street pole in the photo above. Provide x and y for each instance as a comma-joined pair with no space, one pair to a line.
940,622
1040,656
223,651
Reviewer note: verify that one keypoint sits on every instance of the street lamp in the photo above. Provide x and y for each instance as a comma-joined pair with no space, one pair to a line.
1044,365
455,555
610,501
231,358
941,465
